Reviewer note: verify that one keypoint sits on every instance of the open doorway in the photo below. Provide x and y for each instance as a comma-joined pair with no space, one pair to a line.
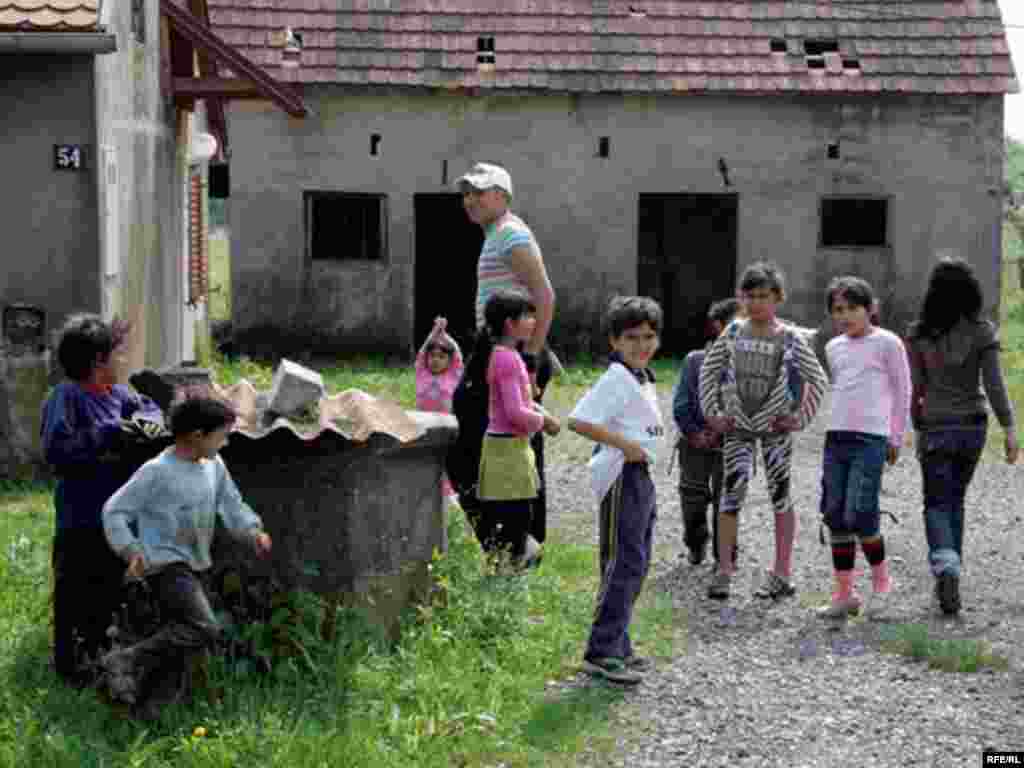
447,251
687,261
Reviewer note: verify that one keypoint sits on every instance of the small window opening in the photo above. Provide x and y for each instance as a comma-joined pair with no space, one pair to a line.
604,146
444,173
779,46
832,151
820,47
342,226
857,222
851,64
816,62
374,144
485,50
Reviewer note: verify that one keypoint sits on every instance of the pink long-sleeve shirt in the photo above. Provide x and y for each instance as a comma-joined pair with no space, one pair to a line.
510,411
434,392
870,385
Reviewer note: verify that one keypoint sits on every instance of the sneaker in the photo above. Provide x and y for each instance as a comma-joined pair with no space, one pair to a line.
947,588
120,674
615,670
719,588
775,587
840,609
639,663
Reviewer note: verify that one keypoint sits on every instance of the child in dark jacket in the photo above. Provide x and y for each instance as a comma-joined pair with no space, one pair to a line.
83,426
700,448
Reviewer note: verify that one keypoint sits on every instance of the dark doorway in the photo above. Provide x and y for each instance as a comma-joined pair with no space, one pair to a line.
447,250
687,260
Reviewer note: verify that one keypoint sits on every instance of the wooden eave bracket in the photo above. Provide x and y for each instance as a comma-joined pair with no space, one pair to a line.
252,80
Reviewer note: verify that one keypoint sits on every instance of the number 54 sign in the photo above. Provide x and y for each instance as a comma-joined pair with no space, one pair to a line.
68,157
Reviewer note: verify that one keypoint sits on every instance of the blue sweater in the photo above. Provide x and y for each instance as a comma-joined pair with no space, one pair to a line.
80,436
174,504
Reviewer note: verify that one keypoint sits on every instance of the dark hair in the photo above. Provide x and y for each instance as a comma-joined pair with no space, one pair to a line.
953,292
501,306
206,414
723,311
855,290
85,340
625,312
441,347
505,305
764,274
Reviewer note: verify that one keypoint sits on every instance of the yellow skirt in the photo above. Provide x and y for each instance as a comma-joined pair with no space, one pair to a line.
508,469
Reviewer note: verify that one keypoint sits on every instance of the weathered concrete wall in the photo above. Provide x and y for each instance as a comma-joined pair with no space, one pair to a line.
51,246
133,119
938,160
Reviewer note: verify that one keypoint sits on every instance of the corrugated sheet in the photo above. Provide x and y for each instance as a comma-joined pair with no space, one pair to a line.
639,45
48,15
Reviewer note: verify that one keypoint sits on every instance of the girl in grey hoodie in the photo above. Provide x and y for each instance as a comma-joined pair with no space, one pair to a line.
951,350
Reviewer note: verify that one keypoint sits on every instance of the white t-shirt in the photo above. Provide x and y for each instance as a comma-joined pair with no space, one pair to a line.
621,404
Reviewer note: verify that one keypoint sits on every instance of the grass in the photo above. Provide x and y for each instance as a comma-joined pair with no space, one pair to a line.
950,655
220,278
469,683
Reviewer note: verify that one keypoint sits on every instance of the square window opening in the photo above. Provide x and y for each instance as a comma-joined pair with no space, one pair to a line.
821,47
343,226
779,46
854,222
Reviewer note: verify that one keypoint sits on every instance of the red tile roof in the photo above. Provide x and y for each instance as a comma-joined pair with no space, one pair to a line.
924,46
48,15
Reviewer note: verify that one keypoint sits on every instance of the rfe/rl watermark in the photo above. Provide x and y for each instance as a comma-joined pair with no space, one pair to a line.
1002,758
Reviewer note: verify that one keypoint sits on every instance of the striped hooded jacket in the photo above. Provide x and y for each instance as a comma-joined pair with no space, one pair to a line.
719,395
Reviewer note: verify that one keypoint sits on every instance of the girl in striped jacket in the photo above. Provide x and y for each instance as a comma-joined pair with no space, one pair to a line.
746,394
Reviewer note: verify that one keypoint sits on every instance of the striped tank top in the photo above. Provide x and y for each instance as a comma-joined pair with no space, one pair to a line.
494,271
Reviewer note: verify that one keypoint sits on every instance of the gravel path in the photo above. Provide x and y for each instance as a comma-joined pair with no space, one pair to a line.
773,685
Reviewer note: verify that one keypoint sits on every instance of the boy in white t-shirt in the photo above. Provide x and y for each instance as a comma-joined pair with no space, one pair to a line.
621,414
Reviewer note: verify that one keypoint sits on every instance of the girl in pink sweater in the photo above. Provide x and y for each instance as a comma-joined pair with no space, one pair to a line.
508,480
869,415
438,370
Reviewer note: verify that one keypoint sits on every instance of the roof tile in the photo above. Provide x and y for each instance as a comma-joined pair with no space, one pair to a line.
678,45
49,15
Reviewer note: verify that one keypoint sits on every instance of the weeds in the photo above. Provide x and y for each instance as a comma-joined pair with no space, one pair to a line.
950,655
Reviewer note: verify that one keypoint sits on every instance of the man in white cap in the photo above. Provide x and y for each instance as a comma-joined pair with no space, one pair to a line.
511,260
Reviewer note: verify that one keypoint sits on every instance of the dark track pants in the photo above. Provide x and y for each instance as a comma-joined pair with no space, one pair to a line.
627,517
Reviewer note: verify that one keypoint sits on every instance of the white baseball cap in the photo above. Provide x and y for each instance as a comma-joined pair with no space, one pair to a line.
486,176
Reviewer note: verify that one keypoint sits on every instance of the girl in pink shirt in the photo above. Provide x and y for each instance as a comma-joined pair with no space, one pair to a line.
508,480
438,370
870,410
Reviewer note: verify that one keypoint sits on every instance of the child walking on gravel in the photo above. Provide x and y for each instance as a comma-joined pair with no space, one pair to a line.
870,406
951,349
700,447
438,370
746,393
620,413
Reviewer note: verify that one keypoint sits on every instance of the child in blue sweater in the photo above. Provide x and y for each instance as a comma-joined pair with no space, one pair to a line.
174,501
83,433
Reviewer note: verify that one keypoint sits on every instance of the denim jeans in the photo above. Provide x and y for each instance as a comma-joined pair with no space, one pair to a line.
851,480
948,457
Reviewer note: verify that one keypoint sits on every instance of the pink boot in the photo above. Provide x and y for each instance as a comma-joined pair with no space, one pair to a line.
845,600
881,582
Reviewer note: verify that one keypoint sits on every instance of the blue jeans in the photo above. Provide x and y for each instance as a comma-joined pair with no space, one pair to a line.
948,457
851,479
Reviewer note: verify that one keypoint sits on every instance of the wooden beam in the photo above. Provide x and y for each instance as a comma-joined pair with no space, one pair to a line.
207,87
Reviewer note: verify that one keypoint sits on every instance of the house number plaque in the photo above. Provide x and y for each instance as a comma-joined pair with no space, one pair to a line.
68,157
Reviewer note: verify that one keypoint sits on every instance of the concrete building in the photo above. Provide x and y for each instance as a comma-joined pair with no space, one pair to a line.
102,197
656,147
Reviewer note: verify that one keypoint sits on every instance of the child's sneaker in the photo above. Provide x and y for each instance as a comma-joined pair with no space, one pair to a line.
947,588
615,670
841,608
719,588
120,672
639,663
775,587
698,553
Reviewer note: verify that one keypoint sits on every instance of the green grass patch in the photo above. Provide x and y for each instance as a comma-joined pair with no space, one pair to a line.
466,685
219,253
948,654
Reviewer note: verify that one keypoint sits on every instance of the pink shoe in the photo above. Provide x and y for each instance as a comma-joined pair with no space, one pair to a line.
881,581
845,600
